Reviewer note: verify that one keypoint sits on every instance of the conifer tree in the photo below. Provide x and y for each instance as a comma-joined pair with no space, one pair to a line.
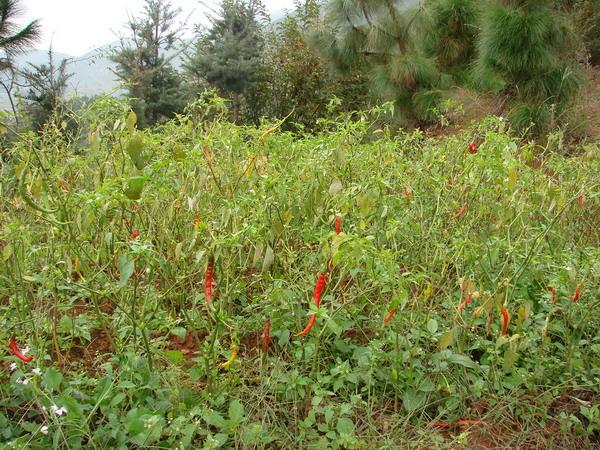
451,30
526,50
46,85
229,55
380,38
142,65
14,38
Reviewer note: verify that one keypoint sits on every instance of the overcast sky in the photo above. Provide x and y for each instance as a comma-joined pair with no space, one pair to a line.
78,26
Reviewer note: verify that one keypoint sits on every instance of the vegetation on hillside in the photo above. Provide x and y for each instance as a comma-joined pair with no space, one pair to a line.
163,281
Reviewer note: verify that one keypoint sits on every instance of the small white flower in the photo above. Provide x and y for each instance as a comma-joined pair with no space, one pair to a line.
12,367
22,381
58,411
37,371
44,430
25,350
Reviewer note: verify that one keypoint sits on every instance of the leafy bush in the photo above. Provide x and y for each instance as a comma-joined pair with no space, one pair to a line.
105,250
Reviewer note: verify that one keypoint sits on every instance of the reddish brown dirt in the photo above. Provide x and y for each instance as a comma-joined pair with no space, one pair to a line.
250,344
189,346
83,307
89,355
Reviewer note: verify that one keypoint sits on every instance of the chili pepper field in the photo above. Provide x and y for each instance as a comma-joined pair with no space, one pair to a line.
205,285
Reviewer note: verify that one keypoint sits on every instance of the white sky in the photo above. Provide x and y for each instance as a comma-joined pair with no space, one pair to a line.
78,26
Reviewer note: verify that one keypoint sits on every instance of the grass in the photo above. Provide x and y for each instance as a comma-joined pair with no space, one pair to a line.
126,342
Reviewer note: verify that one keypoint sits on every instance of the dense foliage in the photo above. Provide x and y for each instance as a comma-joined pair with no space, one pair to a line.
112,245
155,87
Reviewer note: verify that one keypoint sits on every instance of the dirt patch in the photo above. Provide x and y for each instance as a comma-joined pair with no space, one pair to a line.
81,307
90,355
190,346
251,344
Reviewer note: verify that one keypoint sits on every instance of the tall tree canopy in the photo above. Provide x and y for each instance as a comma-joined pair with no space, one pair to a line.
14,38
527,48
46,85
143,67
229,55
380,37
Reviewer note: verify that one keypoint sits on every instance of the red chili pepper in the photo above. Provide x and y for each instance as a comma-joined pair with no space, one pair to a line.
468,300
472,148
267,334
338,225
462,211
135,234
13,346
209,282
390,315
407,194
319,288
552,291
581,200
505,320
311,323
577,295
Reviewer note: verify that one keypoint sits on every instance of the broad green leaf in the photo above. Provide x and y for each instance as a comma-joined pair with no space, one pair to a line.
335,187
268,260
126,268
135,150
52,379
131,121
432,326
510,358
134,188
345,426
175,356
446,340
236,411
413,400
462,360
180,332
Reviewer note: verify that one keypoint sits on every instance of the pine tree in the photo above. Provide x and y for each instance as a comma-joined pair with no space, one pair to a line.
153,84
14,39
451,32
380,38
229,56
526,48
46,85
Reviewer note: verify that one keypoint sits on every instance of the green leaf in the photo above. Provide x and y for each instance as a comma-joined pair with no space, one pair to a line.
175,356
134,188
52,379
135,150
510,358
334,327
269,259
432,326
236,411
345,426
131,121
180,332
213,418
446,340
462,360
126,268
412,400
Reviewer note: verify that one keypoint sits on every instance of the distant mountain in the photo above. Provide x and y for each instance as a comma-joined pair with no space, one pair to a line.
92,73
